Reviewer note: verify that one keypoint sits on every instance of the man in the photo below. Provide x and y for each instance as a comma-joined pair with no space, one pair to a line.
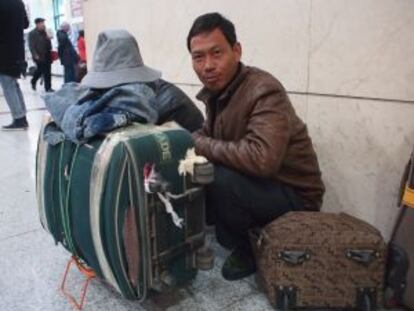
67,54
265,164
40,46
13,20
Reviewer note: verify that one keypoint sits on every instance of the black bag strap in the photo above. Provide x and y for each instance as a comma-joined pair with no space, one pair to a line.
410,176
407,181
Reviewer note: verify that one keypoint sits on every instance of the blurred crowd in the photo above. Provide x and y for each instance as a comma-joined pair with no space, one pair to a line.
13,61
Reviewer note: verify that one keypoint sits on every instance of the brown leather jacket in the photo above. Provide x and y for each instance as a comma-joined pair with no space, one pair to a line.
252,127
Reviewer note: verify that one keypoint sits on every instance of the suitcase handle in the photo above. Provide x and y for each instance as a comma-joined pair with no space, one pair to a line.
294,257
364,256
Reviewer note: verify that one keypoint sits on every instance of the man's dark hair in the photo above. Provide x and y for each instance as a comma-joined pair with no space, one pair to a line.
210,21
39,20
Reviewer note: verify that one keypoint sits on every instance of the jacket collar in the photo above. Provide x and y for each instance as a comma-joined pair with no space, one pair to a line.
207,96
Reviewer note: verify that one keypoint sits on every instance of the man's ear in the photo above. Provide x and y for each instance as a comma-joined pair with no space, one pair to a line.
237,50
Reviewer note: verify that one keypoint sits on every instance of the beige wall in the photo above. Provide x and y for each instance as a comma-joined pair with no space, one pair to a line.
348,66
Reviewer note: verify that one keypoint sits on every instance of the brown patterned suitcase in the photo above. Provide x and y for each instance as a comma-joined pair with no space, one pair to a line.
320,260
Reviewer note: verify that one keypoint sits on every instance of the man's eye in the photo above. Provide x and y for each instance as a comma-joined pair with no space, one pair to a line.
197,58
217,52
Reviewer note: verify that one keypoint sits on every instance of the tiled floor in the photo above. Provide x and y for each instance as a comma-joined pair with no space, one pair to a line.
31,266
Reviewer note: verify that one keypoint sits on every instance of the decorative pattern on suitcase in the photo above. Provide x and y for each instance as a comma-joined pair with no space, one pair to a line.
320,260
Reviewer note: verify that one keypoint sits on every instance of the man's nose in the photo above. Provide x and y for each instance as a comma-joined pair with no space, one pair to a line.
209,64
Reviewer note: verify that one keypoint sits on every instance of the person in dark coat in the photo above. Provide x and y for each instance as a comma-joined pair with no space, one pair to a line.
13,20
41,47
67,54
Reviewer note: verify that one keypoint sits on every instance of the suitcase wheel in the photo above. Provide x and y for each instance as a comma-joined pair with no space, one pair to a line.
285,303
367,303
366,299
285,298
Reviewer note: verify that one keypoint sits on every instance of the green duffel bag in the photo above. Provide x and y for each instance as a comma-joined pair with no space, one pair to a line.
119,204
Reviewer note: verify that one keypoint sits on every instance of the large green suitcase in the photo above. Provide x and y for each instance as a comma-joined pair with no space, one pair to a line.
92,199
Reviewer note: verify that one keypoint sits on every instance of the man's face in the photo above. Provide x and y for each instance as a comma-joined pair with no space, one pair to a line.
66,28
215,61
41,26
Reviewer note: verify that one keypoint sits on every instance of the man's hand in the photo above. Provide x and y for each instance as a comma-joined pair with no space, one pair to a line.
198,137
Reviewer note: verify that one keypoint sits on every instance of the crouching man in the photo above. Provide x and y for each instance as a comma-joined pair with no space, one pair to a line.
265,164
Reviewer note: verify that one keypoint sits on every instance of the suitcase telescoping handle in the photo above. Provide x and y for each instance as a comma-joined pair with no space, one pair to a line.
364,256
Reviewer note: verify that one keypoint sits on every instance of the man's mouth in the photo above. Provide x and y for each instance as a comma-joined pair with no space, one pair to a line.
211,78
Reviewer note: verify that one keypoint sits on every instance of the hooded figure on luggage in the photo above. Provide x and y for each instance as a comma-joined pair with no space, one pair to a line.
117,61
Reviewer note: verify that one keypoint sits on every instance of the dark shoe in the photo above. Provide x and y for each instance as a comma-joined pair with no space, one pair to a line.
50,91
33,85
238,265
16,125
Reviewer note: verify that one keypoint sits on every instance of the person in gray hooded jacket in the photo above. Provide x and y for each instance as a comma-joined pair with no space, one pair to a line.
119,89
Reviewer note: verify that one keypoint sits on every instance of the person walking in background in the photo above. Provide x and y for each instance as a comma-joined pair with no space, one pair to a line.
82,46
67,54
13,20
40,46
82,68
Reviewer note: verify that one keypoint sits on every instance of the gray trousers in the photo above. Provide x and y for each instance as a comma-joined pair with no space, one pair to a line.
13,95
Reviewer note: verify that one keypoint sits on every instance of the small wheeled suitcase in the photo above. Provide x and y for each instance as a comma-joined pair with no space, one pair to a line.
120,206
320,260
400,271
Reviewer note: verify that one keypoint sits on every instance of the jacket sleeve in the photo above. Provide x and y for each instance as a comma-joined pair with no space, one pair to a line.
32,46
261,150
173,104
26,20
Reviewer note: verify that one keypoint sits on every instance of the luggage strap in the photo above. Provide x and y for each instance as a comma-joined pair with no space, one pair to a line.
66,226
406,193
154,183
177,220
88,273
